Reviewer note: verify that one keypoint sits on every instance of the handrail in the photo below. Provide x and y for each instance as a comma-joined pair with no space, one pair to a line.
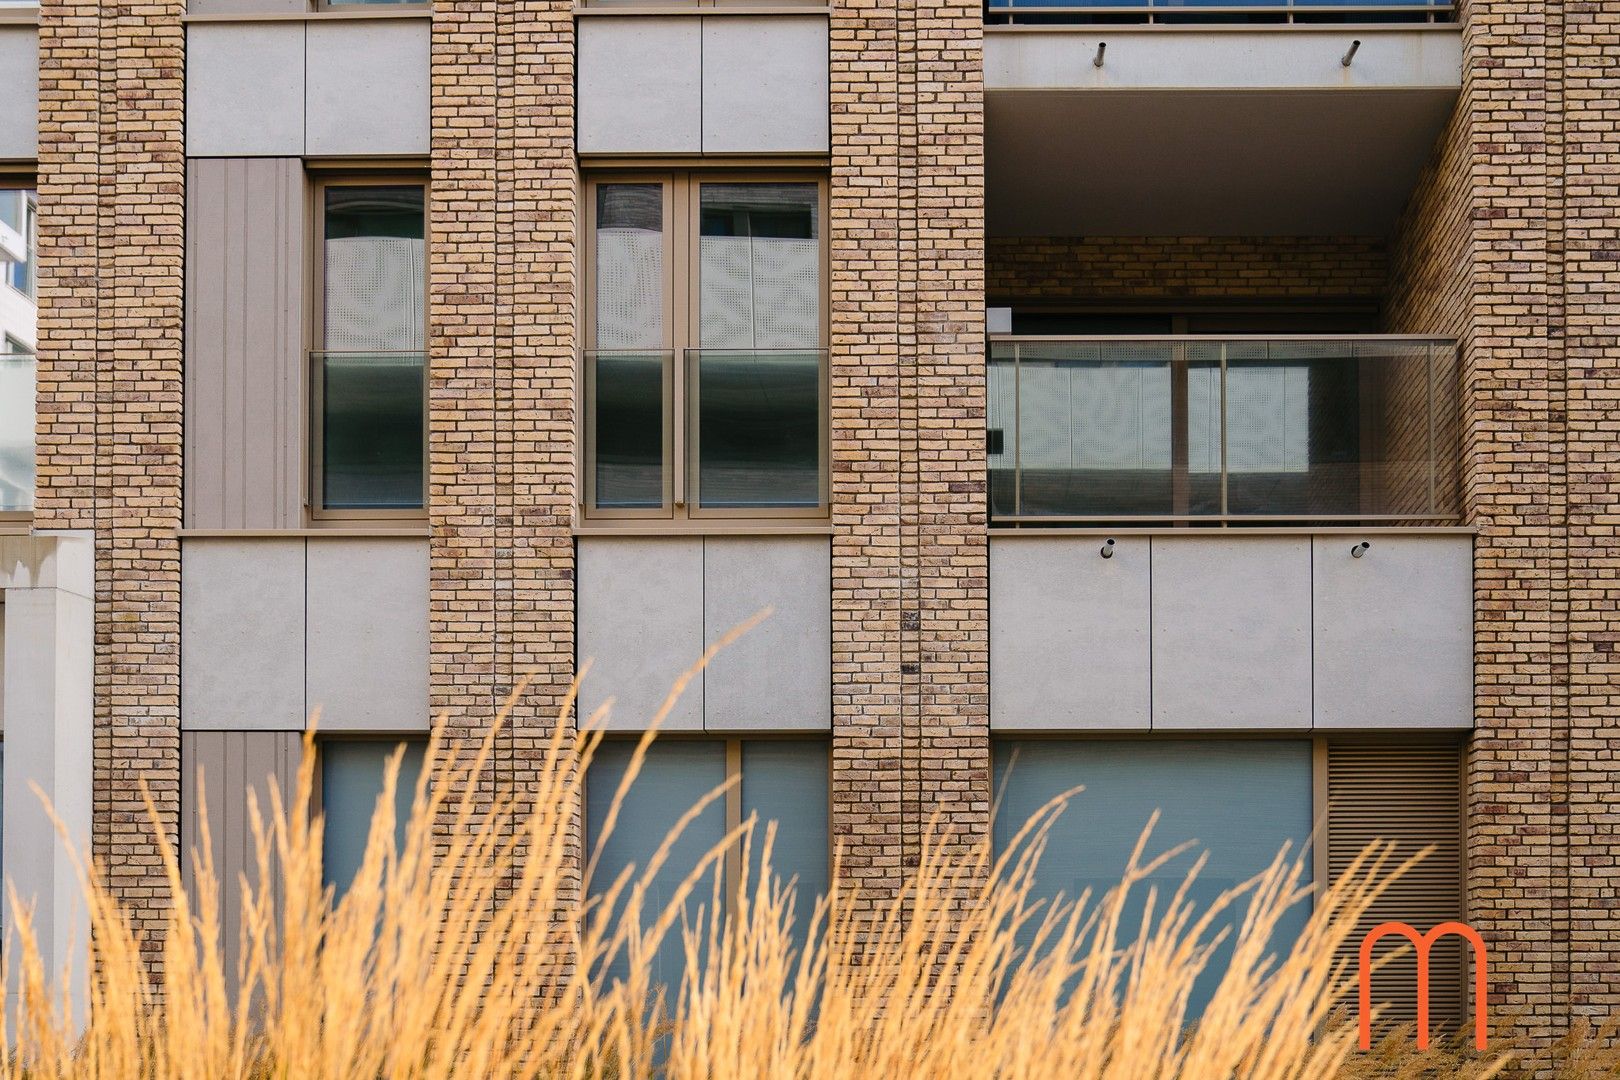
1218,429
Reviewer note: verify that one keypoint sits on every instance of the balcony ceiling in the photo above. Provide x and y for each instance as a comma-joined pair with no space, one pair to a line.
1210,132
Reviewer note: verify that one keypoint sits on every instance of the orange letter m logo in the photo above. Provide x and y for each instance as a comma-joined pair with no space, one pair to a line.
1423,943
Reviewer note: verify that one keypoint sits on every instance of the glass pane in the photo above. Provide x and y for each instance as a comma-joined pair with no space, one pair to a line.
1001,434
1238,801
758,429
16,430
351,785
1094,429
628,415
375,269
760,266
372,431
675,777
19,241
630,266
786,782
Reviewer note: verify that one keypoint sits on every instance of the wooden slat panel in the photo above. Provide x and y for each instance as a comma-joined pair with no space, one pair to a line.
1409,793
244,343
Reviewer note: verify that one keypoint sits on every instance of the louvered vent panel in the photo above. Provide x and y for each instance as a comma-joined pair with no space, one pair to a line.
1409,793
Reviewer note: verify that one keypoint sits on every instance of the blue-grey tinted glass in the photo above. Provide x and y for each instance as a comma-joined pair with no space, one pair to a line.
351,784
375,269
1241,801
628,408
676,776
760,266
372,434
16,429
759,429
786,781
630,274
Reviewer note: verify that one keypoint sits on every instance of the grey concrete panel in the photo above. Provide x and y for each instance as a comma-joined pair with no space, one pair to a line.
245,430
1232,633
48,689
778,676
368,634
19,89
1070,641
367,87
640,85
1394,632
640,625
242,635
765,84
245,89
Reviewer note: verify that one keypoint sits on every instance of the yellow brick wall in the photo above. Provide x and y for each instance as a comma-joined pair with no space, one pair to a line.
111,234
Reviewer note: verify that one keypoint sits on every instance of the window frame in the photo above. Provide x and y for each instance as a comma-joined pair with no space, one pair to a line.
12,179
682,302
314,397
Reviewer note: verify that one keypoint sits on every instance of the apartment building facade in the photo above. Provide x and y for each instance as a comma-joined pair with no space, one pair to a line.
1203,403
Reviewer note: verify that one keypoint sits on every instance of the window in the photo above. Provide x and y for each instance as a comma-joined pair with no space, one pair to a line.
351,777
705,369
16,427
368,370
781,780
1241,800
19,243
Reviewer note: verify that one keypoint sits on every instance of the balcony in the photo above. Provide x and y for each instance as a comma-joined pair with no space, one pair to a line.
1207,431
16,433
1182,12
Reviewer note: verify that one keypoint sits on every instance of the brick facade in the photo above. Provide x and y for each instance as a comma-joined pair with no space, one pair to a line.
501,410
111,234
910,562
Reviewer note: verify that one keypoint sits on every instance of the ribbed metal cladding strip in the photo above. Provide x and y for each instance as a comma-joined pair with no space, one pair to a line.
1409,793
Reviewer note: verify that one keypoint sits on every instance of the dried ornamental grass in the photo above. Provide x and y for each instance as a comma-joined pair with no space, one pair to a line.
464,951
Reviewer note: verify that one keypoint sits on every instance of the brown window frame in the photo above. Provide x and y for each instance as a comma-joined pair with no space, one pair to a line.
314,474
682,190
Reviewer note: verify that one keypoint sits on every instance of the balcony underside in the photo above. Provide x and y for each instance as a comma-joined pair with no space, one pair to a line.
1211,132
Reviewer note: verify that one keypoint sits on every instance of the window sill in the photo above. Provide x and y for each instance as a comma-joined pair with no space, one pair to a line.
347,530
704,528
661,10
403,11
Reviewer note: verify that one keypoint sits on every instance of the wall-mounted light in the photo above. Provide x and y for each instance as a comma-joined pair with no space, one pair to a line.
1344,61
1359,550
1096,61
1108,548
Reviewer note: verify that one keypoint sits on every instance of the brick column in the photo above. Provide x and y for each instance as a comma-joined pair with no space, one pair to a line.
502,313
111,268
910,644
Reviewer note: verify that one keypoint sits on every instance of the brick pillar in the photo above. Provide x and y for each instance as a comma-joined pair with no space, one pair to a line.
501,402
111,268
910,642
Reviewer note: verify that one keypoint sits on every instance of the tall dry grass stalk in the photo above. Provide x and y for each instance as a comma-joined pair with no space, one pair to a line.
465,953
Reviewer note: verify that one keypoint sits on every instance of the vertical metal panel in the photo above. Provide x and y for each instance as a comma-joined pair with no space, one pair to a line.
244,343
217,771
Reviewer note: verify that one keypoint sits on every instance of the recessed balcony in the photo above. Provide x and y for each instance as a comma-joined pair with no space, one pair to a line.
1201,430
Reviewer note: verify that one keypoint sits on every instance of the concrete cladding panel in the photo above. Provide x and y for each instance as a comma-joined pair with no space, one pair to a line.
1069,634
19,89
640,85
368,634
1232,632
1393,631
367,87
640,624
242,634
245,89
778,676
764,84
